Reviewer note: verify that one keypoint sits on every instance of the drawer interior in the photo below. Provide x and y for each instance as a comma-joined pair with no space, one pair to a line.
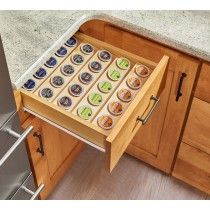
96,91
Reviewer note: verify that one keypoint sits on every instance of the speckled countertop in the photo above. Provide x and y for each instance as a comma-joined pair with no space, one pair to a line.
27,35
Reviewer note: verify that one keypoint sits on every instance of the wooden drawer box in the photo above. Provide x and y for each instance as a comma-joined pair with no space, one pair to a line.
193,167
203,87
197,131
115,141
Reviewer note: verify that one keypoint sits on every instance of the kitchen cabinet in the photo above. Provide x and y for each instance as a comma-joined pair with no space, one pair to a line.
193,159
157,140
51,151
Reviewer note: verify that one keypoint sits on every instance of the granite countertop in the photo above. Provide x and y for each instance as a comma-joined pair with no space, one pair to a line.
26,35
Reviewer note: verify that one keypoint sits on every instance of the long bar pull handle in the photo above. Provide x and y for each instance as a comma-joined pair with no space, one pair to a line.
179,93
41,147
20,137
144,120
34,194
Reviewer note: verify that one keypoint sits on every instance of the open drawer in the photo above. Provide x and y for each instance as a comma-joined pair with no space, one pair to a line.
104,128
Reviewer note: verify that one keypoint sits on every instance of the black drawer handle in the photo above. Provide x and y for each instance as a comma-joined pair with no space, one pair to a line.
179,93
41,147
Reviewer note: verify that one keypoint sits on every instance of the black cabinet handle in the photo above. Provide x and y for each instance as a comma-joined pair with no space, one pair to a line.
179,93
41,147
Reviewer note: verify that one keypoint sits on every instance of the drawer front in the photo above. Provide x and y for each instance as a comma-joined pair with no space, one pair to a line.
197,131
203,86
193,166
129,123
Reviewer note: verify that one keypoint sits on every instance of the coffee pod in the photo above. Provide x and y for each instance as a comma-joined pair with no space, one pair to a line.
95,99
61,52
105,122
124,95
104,55
114,74
105,86
76,90
85,112
77,59
115,108
51,62
71,42
86,48
29,85
65,102
46,93
67,70
40,73
142,71
95,66
86,77
123,63
57,81
134,83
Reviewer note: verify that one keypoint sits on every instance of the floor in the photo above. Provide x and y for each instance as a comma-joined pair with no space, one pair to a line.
131,179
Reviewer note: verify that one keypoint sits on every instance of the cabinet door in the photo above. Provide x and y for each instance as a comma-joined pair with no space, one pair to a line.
51,152
157,141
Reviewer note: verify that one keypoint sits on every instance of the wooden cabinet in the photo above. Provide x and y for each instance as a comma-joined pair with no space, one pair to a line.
193,161
164,130
51,153
203,87
156,141
193,167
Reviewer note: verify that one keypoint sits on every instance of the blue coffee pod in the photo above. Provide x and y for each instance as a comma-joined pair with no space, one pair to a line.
51,62
61,52
67,69
40,73
71,42
77,59
87,48
29,85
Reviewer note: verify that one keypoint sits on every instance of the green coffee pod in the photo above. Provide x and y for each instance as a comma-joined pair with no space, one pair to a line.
114,74
95,99
105,86
123,63
85,112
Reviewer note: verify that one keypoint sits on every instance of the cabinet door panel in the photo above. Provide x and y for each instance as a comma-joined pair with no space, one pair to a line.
162,156
58,145
149,136
60,151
